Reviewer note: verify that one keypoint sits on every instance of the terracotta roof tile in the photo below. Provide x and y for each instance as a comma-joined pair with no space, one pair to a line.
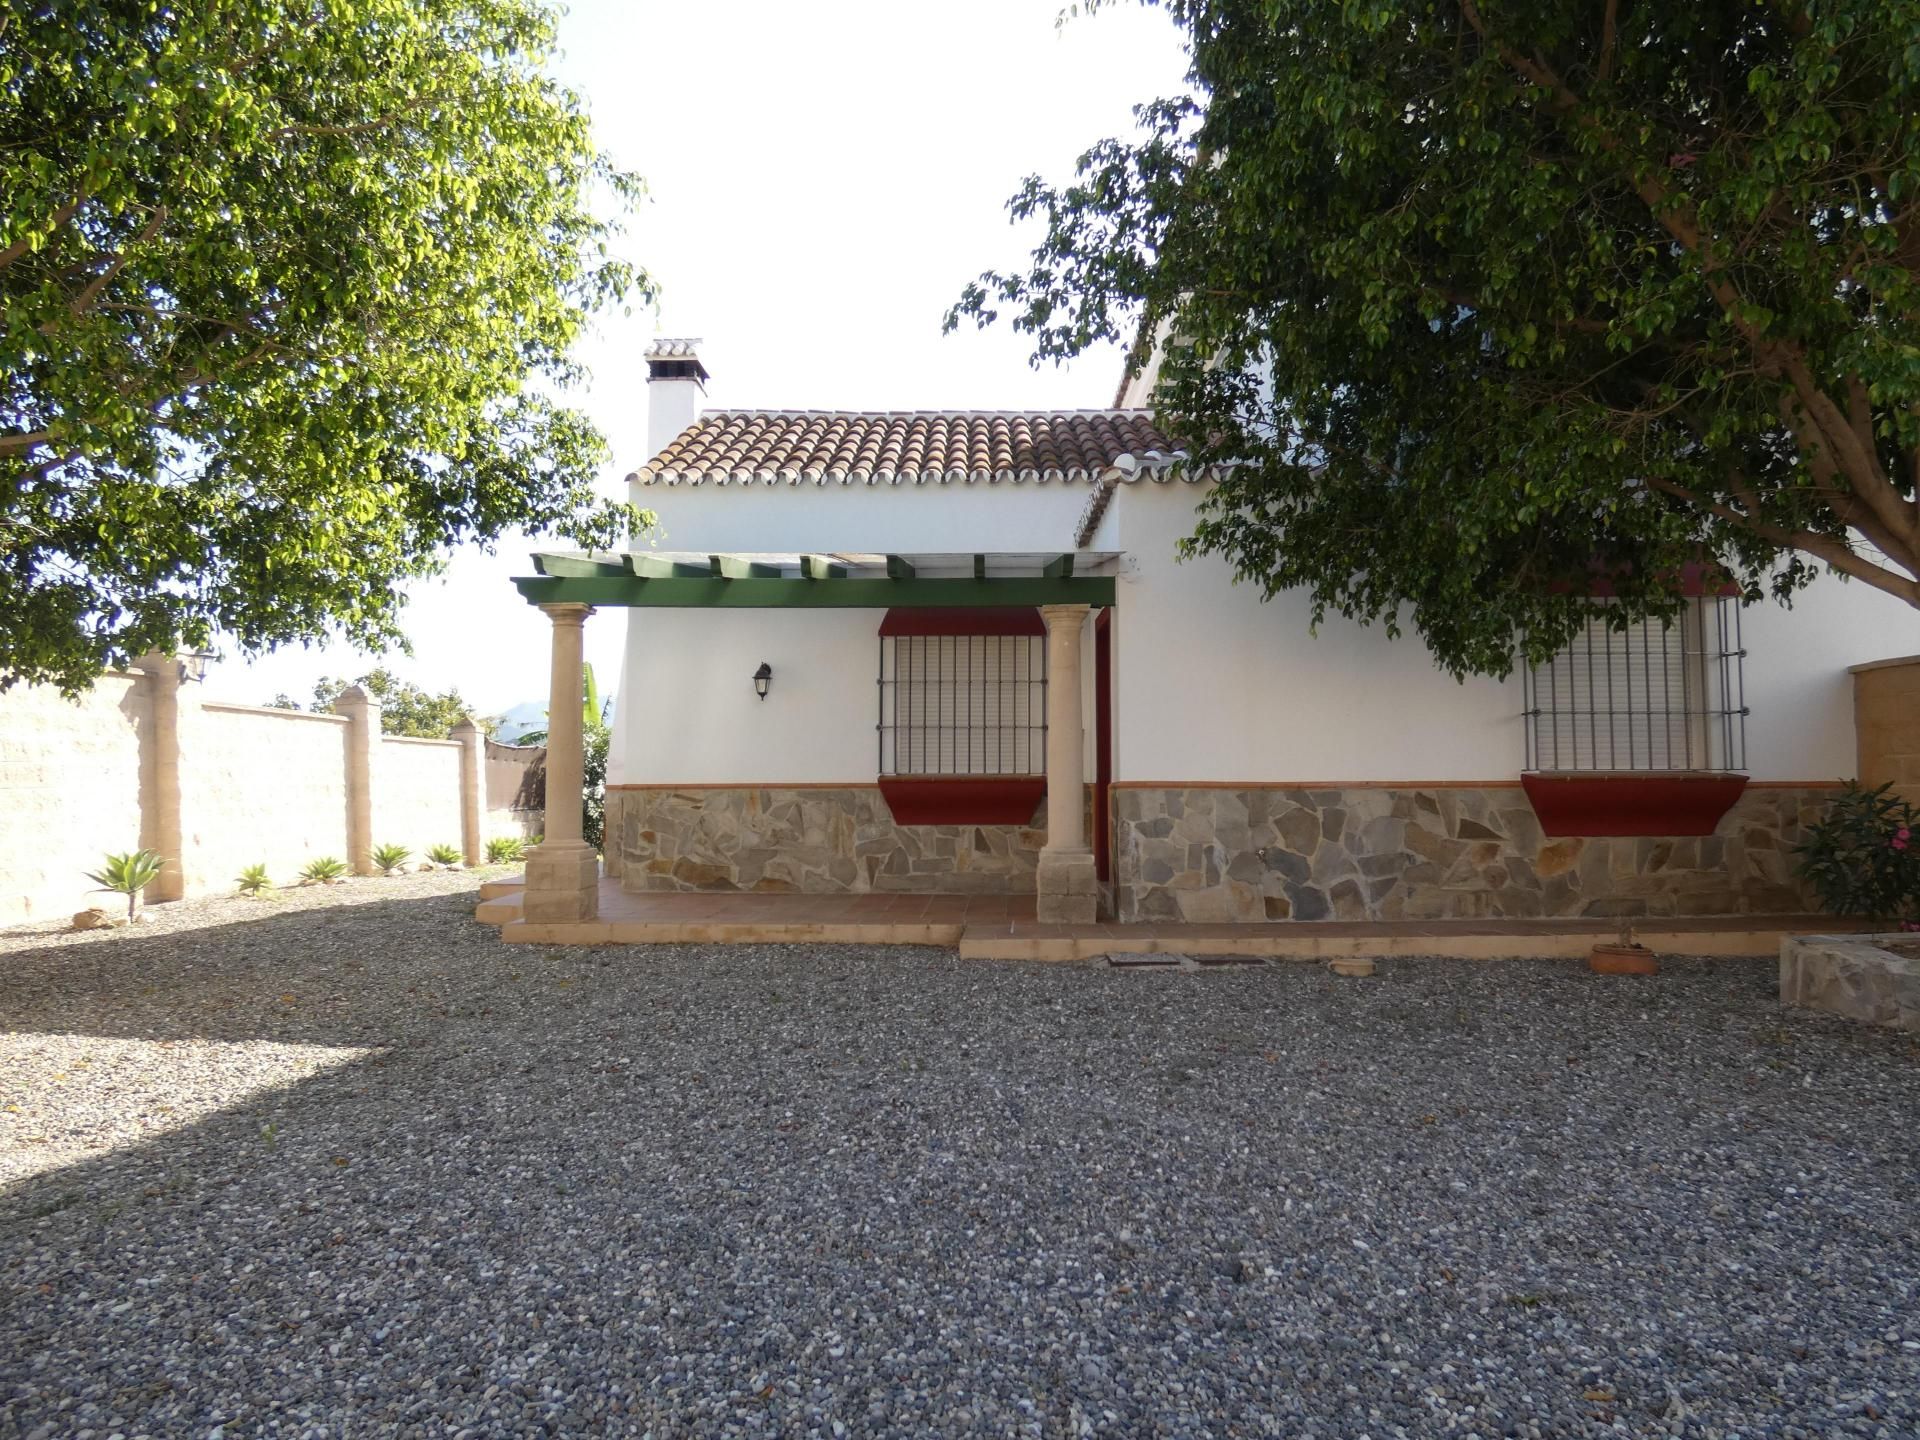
847,447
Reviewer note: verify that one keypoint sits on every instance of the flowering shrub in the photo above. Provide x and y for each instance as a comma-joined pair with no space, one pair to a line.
1863,857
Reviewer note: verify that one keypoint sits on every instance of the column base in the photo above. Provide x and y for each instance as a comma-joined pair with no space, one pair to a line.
1068,889
563,884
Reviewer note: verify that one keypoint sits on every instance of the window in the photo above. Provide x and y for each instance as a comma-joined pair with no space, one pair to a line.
1651,696
963,693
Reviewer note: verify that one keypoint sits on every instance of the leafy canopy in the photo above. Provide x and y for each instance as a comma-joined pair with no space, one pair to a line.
1484,295
287,294
405,709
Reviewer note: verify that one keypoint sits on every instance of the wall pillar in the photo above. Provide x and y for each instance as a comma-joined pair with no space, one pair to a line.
473,803
161,829
363,734
1886,724
1068,890
563,872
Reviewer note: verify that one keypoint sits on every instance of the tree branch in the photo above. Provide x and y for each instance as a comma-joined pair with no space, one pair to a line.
83,302
1823,547
60,217
1607,36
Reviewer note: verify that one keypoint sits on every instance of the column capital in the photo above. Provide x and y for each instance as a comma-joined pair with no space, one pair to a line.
1064,614
570,612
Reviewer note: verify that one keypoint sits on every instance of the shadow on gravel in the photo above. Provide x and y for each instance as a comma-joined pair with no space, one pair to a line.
711,1190
318,976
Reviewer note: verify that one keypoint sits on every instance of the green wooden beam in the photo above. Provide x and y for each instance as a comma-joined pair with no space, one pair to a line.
979,567
730,567
1059,568
899,568
653,567
705,592
576,566
818,567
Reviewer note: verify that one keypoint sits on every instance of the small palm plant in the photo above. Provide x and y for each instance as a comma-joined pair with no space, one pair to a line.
253,880
444,854
128,875
390,857
324,871
505,849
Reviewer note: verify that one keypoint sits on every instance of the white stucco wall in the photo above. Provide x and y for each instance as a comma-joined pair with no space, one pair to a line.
416,793
259,787
687,712
70,782
1211,683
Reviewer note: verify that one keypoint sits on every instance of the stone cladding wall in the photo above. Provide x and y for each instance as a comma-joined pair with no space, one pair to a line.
812,840
1352,853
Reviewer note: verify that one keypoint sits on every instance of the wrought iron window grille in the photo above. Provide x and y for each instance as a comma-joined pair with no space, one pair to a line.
1650,696
963,704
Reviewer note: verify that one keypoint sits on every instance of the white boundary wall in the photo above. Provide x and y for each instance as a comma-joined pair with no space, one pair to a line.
82,778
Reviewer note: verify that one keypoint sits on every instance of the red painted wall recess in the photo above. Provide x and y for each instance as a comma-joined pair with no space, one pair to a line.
1647,802
963,799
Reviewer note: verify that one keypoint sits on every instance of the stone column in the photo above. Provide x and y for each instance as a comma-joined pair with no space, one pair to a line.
363,734
473,800
1069,891
563,872
160,827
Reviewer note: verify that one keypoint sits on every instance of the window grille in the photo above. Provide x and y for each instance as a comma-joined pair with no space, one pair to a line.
1652,696
963,704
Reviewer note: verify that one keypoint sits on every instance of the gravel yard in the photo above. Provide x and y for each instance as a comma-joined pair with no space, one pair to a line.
343,1164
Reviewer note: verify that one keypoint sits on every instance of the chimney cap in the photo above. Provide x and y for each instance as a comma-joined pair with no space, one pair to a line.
671,359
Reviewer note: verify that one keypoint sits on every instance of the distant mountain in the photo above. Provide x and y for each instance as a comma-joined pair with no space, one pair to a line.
527,715
531,715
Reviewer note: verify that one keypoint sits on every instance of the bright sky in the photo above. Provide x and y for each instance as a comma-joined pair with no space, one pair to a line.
824,178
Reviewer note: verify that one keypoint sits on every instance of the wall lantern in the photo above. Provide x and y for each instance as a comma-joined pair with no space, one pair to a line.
193,666
763,680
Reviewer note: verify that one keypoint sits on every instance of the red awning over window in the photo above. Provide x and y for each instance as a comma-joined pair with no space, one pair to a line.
985,620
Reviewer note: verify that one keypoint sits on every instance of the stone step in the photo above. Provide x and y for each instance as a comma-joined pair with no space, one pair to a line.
506,885
498,909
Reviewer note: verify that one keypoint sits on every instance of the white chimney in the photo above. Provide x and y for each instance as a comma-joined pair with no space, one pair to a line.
676,386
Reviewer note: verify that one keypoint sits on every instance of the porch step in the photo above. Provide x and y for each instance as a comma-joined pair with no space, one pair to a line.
506,885
732,932
498,909
1335,940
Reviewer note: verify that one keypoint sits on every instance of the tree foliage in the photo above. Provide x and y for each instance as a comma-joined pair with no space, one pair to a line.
287,293
1480,296
405,709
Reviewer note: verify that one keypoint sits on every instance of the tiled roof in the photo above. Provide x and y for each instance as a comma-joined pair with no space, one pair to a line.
843,447
673,349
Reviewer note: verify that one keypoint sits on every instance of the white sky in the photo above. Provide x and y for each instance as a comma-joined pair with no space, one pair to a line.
824,179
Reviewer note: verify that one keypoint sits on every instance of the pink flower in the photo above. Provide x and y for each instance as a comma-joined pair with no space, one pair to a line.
1897,843
1903,833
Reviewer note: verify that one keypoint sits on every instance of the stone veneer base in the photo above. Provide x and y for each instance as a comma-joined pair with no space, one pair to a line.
816,840
1213,854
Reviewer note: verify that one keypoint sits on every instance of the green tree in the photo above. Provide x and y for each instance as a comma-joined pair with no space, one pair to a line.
1479,296
287,295
405,709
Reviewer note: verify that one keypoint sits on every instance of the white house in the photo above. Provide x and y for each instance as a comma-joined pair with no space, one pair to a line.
955,652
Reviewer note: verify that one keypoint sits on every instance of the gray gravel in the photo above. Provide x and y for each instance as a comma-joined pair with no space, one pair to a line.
451,1187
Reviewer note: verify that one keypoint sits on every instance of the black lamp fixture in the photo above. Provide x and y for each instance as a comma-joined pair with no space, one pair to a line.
763,680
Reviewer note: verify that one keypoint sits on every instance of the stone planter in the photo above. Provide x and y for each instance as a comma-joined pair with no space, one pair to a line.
1874,979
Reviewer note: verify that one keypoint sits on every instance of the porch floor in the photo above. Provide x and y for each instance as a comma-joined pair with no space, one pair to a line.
1002,927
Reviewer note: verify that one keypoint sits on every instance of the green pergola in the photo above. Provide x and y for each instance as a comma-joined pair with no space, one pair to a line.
825,581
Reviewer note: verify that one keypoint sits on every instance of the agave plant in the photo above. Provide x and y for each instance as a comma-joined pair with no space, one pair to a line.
505,849
390,857
324,871
128,875
253,880
444,854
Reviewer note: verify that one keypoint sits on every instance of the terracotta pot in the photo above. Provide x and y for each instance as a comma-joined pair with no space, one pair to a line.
1616,959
